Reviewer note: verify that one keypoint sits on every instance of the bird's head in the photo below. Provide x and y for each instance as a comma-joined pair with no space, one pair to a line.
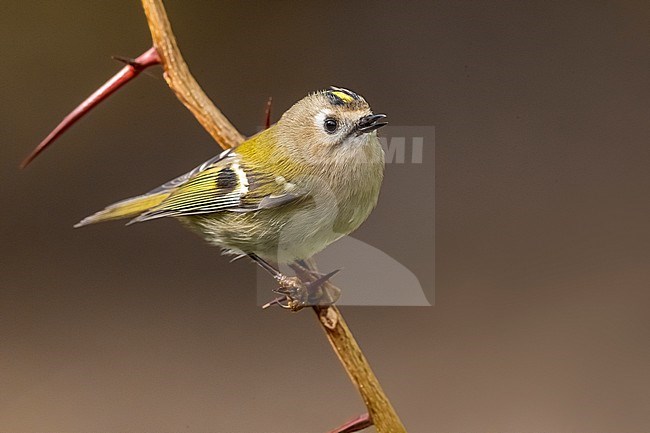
333,123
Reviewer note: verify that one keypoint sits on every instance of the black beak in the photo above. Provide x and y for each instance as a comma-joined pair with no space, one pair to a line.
369,123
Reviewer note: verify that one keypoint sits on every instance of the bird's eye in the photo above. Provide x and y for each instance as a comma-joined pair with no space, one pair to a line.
331,125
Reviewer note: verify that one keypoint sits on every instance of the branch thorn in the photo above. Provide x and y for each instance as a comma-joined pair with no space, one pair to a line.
127,73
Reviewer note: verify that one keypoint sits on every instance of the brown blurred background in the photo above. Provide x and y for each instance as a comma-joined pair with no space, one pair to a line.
541,320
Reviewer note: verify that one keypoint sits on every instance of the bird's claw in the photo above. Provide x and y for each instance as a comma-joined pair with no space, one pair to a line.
296,294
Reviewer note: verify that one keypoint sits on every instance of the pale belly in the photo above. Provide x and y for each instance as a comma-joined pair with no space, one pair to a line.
287,233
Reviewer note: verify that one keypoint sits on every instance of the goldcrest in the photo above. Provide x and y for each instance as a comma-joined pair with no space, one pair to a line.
283,194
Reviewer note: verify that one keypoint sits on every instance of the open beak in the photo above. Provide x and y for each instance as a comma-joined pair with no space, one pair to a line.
369,123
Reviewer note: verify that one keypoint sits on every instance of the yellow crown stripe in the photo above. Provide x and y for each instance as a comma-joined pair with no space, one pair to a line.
343,96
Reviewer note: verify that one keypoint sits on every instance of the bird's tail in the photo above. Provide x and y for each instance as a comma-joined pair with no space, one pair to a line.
126,208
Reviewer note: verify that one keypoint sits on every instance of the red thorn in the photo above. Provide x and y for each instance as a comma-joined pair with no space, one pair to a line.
267,113
126,74
359,423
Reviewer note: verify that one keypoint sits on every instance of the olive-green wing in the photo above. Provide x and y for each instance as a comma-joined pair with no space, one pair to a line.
226,185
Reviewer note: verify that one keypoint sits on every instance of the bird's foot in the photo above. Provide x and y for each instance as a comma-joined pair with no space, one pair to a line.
323,294
296,295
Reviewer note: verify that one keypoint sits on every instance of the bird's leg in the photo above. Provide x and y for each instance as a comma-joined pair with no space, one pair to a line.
295,293
303,266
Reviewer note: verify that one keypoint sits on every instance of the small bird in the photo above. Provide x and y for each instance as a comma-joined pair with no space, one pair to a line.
284,194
